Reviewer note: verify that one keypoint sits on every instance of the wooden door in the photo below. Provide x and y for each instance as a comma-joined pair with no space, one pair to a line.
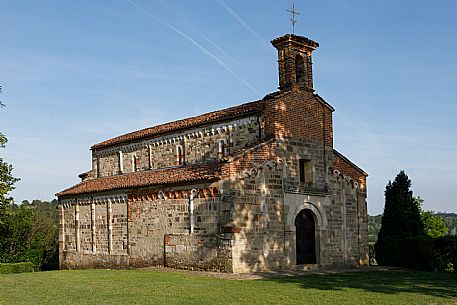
306,237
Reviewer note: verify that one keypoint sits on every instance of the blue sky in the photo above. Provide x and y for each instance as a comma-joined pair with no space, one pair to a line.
75,73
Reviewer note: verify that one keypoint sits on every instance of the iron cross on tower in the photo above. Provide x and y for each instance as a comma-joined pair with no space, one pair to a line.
293,12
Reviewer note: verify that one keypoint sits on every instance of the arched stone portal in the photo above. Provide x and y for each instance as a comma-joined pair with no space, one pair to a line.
315,205
305,237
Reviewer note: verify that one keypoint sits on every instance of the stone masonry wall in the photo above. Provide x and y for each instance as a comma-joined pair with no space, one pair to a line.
69,229
267,199
258,239
101,228
198,145
291,150
348,222
151,227
85,228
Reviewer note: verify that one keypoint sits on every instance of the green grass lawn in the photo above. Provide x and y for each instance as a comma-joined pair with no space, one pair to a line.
148,287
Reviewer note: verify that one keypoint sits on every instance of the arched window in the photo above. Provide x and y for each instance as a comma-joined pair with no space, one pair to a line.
179,155
299,67
222,150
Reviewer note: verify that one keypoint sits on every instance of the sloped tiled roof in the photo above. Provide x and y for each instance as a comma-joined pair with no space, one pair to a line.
187,173
185,123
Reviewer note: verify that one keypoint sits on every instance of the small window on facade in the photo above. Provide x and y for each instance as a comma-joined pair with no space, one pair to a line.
222,149
306,171
299,67
179,155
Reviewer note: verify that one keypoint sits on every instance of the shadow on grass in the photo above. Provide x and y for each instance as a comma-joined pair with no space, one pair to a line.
388,282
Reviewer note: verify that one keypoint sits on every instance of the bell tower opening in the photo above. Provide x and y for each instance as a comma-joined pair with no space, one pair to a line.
299,68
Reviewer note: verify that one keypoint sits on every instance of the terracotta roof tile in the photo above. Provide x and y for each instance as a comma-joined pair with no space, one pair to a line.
206,171
185,123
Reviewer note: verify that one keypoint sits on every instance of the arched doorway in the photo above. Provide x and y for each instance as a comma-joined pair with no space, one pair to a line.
306,237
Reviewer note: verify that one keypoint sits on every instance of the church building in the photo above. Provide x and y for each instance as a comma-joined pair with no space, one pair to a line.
254,187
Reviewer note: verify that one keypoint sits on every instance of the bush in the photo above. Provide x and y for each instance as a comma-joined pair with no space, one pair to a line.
16,267
423,253
433,254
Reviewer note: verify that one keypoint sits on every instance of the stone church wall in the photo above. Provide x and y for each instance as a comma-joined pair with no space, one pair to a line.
292,150
348,229
101,228
69,229
198,145
119,229
267,200
259,230
85,232
108,166
146,229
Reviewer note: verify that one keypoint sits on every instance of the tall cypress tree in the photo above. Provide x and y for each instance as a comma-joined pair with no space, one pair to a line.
401,219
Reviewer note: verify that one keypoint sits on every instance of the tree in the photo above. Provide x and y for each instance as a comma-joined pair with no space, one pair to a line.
30,233
6,185
3,139
6,178
401,220
434,226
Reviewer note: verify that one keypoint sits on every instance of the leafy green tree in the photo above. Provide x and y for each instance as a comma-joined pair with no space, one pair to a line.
6,178
434,226
16,235
401,219
3,139
30,233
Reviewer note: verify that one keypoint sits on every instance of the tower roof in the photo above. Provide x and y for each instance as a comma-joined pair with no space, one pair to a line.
291,38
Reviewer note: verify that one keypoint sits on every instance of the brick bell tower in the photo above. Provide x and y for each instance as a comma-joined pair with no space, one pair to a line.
294,61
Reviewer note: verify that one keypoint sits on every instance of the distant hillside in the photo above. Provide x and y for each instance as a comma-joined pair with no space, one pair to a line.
374,225
450,219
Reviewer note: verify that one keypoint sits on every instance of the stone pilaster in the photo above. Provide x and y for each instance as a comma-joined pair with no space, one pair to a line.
77,228
110,226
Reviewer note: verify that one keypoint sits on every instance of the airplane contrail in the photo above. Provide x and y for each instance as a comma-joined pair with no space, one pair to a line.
196,44
198,31
241,21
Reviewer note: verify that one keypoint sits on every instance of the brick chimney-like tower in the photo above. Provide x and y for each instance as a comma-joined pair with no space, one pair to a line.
294,61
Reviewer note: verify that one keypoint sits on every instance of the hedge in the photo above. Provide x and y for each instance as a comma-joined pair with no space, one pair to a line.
426,254
16,267
432,254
